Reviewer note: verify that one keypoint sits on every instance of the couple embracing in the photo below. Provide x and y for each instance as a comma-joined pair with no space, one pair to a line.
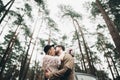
57,64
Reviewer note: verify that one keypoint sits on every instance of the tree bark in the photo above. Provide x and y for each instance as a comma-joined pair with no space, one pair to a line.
85,47
111,27
26,71
114,65
21,77
24,66
79,44
105,54
3,8
6,12
7,54
110,68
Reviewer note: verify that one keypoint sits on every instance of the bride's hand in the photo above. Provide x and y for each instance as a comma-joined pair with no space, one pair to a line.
47,74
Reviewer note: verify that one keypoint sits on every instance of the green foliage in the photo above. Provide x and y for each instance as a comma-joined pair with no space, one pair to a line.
95,11
64,37
28,10
110,46
68,11
42,42
100,42
8,37
28,7
1,52
112,9
102,75
1,7
115,10
77,68
1,4
19,20
41,3
13,13
50,21
75,36
51,24
15,53
47,12
99,26
26,30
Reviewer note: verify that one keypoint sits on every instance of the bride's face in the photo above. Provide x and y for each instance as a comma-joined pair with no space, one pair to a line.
52,51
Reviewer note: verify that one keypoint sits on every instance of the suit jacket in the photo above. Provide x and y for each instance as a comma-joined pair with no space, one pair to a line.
66,69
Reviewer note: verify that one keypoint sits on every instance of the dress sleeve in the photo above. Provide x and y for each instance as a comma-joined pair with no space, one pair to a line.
57,61
49,61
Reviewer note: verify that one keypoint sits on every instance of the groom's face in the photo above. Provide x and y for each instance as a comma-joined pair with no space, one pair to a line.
57,50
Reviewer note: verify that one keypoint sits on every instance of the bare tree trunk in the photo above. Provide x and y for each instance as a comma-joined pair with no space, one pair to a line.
25,61
21,68
79,44
105,54
110,68
86,50
9,45
6,12
7,51
29,61
3,8
112,29
114,65
7,54
13,73
24,66
32,51
92,63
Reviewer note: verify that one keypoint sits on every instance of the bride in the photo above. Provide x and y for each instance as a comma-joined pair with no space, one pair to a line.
51,62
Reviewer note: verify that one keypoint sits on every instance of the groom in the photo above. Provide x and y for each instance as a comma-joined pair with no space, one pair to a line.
66,69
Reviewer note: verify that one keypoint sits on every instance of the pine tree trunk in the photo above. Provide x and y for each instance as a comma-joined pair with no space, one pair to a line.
114,65
79,44
4,7
7,51
6,12
21,77
91,58
12,73
32,52
105,54
7,54
21,68
24,66
110,68
29,60
86,50
111,27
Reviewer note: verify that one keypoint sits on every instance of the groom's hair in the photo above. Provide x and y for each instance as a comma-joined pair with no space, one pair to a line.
63,48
